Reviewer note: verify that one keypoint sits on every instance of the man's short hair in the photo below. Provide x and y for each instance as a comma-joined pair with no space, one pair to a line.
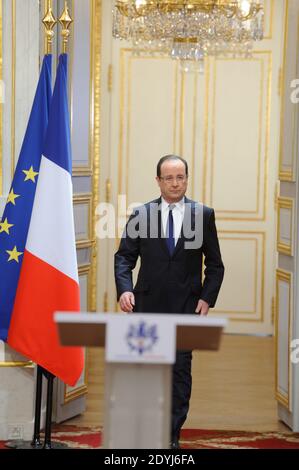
168,158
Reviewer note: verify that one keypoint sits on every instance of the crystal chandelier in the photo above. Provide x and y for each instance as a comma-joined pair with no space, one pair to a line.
189,30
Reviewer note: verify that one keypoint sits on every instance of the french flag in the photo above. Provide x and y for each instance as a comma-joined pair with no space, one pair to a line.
49,276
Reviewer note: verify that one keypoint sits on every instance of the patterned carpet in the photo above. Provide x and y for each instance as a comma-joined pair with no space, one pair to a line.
206,439
90,438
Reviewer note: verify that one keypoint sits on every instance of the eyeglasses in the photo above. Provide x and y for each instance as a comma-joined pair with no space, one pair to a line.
171,179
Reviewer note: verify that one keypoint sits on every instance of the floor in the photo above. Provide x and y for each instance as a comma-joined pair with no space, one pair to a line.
233,388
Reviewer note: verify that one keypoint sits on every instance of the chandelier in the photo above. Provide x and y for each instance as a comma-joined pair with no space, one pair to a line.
189,30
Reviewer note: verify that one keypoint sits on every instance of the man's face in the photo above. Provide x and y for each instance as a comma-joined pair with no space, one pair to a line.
173,181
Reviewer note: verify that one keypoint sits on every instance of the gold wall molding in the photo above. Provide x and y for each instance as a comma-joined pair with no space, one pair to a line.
121,118
70,395
288,204
108,190
289,173
175,93
110,78
81,171
85,199
105,302
82,197
195,103
279,83
84,269
273,310
96,44
282,174
25,364
269,12
206,127
283,398
85,244
247,237
182,112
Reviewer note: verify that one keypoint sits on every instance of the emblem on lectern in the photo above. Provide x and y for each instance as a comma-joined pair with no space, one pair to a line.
142,337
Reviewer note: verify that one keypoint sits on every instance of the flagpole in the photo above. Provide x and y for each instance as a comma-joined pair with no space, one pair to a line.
36,442
48,427
49,22
65,20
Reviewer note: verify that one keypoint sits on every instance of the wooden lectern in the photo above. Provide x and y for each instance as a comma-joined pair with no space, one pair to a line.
140,351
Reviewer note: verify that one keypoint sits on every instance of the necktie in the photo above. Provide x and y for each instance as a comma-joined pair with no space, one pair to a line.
170,232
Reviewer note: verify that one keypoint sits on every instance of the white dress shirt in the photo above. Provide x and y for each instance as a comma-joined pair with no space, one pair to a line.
178,211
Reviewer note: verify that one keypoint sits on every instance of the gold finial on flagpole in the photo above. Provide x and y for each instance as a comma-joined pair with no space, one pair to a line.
49,21
65,20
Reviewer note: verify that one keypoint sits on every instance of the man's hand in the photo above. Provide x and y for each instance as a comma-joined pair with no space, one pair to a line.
127,301
202,307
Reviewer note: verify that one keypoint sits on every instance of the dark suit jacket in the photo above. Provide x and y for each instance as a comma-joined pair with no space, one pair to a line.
168,284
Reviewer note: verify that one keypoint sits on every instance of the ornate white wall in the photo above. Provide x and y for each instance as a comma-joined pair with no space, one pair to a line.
225,122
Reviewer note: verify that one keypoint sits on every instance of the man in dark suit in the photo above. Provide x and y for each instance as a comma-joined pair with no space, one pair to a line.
170,275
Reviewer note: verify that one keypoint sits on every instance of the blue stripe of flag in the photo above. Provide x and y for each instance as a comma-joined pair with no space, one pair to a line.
58,140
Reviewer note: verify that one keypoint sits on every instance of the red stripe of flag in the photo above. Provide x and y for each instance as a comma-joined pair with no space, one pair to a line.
42,290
